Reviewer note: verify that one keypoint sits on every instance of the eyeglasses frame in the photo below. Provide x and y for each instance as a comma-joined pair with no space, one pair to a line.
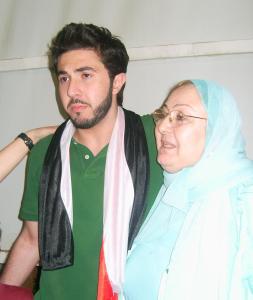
170,111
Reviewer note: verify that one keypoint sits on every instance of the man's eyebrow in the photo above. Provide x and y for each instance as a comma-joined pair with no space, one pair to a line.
78,70
60,72
81,69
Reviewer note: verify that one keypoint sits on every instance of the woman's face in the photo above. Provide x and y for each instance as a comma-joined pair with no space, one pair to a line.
181,142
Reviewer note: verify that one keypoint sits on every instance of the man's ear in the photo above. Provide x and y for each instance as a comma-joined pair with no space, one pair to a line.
118,82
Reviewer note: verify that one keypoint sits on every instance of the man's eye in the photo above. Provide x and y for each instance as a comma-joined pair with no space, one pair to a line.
86,75
63,79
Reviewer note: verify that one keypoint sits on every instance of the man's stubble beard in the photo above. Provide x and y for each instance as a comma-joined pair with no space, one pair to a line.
99,113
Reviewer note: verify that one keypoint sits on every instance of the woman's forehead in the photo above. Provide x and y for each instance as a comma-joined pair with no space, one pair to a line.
185,96
184,93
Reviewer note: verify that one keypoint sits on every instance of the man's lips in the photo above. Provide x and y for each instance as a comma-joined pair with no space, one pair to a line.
78,107
76,103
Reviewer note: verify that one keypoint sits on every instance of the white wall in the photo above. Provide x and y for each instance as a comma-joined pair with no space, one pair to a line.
27,97
149,82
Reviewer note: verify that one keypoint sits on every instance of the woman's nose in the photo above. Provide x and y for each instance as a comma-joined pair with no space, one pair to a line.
164,125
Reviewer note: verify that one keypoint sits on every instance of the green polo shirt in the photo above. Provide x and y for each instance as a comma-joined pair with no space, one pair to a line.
87,174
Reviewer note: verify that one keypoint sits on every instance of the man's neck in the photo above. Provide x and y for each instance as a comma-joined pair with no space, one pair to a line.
97,137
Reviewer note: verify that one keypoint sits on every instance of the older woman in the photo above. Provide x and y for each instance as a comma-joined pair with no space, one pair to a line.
197,241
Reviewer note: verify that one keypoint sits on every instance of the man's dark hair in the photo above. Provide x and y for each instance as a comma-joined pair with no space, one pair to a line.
110,49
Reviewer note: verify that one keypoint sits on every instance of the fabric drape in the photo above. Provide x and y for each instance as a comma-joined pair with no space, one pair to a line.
124,197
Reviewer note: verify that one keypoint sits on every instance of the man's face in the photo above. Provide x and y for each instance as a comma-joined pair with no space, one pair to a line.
84,86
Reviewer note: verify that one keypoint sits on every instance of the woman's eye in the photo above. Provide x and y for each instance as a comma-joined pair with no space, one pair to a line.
159,114
164,114
180,117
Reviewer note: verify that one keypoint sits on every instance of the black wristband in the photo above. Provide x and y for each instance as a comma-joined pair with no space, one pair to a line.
26,139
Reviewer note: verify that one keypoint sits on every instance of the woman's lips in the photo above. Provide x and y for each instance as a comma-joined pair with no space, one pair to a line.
168,145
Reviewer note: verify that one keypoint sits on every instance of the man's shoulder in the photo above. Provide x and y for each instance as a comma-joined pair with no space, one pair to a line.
43,143
148,122
147,118
39,150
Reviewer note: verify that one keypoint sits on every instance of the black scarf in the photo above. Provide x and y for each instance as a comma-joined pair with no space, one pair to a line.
56,243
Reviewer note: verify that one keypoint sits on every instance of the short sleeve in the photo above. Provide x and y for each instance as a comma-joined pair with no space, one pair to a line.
29,205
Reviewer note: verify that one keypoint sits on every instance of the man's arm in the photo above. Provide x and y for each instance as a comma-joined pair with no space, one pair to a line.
23,257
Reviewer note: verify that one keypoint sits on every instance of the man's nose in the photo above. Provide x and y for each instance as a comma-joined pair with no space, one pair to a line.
74,89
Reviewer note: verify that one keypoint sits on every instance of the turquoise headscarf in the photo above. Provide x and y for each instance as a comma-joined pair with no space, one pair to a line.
223,137
223,165
224,161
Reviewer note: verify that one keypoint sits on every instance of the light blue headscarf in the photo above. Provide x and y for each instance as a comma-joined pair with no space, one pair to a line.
224,154
224,161
223,166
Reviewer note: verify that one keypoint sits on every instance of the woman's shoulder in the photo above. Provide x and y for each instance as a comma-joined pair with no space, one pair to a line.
245,189
242,195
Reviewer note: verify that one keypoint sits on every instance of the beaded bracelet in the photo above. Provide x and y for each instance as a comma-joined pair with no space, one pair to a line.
26,139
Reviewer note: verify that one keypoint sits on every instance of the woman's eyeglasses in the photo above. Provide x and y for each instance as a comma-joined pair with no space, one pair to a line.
175,117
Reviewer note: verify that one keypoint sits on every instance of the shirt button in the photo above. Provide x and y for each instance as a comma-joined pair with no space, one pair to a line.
86,156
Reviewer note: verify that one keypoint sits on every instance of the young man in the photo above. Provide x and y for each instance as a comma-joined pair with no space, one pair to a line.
89,188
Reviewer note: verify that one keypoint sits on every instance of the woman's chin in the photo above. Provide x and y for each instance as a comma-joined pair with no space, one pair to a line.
168,166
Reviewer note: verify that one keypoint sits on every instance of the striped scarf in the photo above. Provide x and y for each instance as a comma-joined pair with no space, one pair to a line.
125,187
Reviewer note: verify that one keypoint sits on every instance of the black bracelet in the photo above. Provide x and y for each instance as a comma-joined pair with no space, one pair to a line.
26,139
